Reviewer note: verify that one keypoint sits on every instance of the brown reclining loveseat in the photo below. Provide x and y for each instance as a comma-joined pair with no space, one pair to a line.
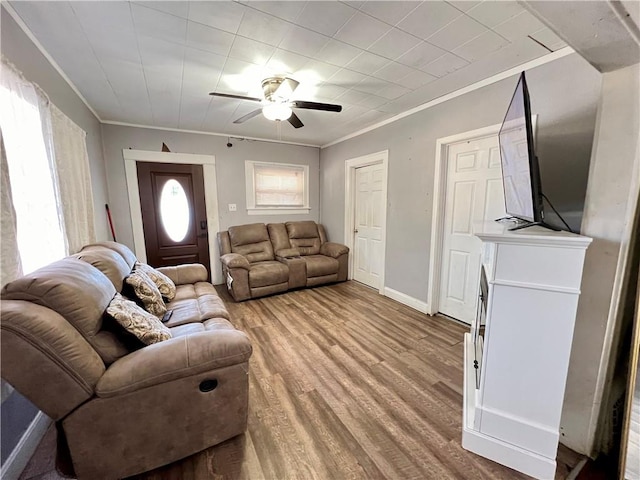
124,411
259,259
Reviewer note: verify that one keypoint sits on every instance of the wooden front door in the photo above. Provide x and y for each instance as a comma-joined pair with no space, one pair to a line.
174,216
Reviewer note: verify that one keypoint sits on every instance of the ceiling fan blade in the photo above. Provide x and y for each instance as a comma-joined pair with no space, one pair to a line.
248,116
295,121
238,97
286,88
328,107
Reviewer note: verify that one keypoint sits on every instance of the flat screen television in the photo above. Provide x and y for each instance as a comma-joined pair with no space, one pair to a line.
520,170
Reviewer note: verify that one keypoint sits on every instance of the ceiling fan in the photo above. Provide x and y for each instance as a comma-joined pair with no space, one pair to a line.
277,103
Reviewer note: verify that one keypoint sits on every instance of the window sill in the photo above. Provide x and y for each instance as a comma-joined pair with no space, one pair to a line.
278,211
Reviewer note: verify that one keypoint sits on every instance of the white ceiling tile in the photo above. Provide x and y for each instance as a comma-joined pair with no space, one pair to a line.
302,41
262,27
428,18
519,26
392,91
464,5
460,31
367,63
346,78
193,109
221,15
242,77
390,12
337,53
393,71
179,9
371,85
287,10
352,97
394,44
373,101
316,72
415,79
208,38
251,51
481,46
283,61
325,17
102,17
362,30
549,39
154,23
330,91
353,3
446,64
202,71
219,113
421,55
161,54
492,13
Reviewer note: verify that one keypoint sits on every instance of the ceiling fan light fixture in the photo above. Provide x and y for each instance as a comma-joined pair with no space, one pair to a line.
277,111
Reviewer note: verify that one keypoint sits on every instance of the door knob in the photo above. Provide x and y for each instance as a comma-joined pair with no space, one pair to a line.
203,224
355,230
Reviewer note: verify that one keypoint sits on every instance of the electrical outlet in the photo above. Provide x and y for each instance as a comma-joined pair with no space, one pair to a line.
232,207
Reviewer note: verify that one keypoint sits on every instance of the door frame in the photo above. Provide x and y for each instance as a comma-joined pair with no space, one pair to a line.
208,163
350,167
439,197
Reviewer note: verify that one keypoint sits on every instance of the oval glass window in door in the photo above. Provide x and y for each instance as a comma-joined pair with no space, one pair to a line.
174,210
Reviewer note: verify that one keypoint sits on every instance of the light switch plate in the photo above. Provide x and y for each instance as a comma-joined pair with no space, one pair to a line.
232,207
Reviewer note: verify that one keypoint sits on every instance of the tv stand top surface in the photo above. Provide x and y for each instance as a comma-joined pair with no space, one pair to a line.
491,231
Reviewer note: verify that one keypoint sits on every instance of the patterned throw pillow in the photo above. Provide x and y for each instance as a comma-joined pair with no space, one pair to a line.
136,321
165,284
147,292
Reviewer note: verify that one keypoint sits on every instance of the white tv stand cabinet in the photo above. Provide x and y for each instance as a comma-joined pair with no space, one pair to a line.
513,400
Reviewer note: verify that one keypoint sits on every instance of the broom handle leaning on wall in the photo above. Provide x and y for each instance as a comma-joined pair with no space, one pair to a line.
113,232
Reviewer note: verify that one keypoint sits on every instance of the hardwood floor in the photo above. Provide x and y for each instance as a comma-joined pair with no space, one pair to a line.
344,384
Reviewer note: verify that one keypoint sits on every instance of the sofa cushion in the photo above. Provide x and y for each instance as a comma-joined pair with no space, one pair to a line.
108,262
252,241
124,251
192,310
319,265
268,273
165,285
147,292
136,321
77,291
191,328
304,236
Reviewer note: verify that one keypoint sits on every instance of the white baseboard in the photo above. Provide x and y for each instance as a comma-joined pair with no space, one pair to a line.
406,300
17,461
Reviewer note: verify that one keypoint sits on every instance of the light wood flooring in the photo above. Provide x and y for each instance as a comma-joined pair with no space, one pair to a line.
344,384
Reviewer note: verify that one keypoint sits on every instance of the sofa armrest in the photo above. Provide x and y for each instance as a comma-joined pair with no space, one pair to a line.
185,274
334,250
235,260
288,253
172,359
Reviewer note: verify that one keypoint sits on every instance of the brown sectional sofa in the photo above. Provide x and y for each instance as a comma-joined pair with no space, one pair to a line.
122,410
259,259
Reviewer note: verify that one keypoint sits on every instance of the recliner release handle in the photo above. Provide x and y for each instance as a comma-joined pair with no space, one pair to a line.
208,385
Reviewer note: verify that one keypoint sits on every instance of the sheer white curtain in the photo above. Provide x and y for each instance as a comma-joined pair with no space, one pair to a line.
72,168
48,174
33,191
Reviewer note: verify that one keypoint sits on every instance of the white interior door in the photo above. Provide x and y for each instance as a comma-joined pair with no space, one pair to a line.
368,225
474,193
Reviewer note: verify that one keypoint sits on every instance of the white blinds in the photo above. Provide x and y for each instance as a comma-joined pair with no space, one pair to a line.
279,186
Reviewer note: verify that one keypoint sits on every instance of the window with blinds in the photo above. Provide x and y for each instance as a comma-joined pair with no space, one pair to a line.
276,187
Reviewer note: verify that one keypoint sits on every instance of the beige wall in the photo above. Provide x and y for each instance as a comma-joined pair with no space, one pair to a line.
230,171
614,169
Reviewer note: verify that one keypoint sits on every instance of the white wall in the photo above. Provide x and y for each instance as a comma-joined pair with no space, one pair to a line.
614,169
230,171
564,94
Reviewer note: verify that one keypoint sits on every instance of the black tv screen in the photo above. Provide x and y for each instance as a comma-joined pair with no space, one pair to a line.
520,173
